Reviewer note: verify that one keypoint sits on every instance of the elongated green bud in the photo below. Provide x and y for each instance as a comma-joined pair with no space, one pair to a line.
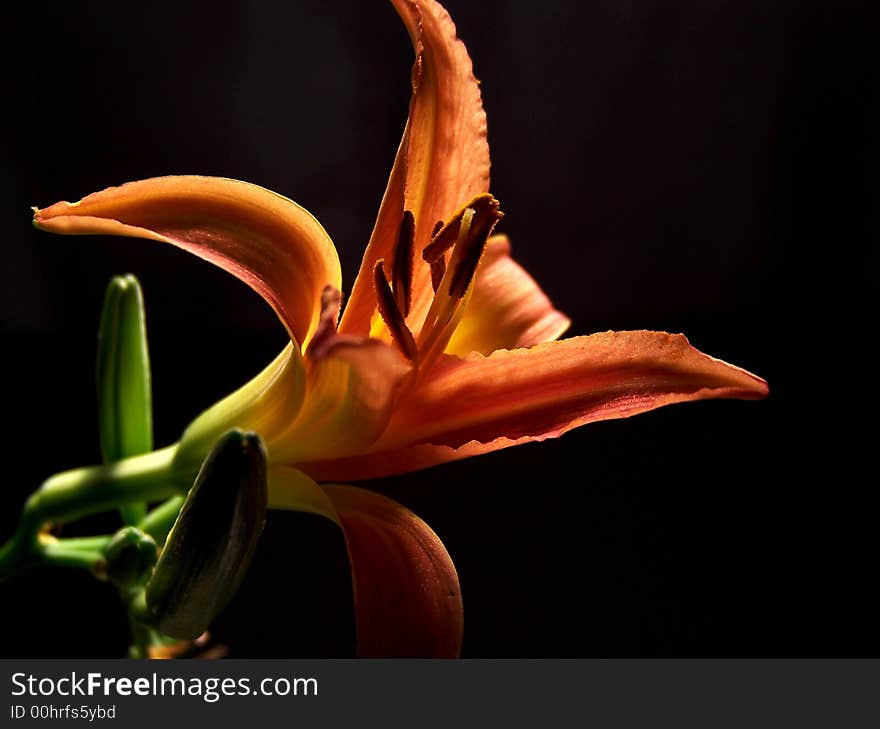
125,409
213,541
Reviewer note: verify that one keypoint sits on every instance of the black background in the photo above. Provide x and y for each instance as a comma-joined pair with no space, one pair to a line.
705,167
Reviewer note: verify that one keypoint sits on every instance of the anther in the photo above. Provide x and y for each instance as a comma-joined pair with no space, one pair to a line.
331,303
391,314
402,270
466,233
472,248
443,239
483,205
438,265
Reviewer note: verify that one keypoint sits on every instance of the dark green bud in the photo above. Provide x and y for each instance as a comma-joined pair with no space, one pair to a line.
213,541
129,558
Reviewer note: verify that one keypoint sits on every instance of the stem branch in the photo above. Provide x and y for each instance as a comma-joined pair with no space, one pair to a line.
73,494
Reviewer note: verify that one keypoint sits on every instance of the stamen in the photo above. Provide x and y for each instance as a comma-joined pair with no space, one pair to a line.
483,205
331,303
438,265
391,314
443,306
452,281
443,239
438,269
402,270
472,251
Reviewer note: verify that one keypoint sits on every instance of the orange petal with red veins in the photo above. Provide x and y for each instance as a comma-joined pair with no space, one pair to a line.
269,242
507,309
442,162
406,590
479,404
407,598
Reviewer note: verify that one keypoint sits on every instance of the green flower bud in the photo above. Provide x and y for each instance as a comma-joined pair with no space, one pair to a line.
125,410
213,541
129,557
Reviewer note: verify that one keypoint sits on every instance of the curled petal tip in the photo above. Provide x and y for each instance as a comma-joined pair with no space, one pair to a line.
743,384
266,240
56,210
37,220
758,388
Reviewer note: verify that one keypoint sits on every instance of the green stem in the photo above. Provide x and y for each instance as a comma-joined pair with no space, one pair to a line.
58,554
133,513
142,635
140,639
84,491
160,520
21,551
85,544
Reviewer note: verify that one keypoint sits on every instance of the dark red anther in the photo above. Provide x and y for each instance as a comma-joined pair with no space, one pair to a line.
402,270
483,205
390,314
482,223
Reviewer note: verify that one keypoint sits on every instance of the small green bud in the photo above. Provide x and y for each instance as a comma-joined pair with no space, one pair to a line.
129,557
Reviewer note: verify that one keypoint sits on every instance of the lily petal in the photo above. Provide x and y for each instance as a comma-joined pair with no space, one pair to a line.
507,309
481,404
269,242
351,390
407,596
442,162
406,589
267,405
291,490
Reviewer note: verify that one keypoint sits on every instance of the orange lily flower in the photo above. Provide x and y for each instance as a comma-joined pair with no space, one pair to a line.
446,349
